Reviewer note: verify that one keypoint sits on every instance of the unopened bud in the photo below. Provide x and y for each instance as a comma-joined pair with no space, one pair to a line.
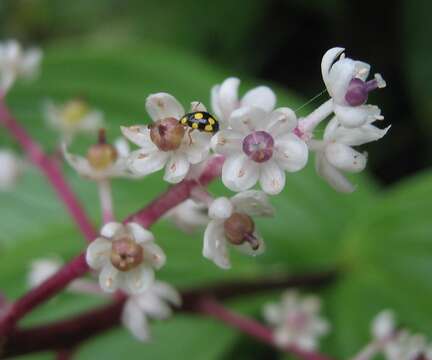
167,134
101,155
126,254
238,228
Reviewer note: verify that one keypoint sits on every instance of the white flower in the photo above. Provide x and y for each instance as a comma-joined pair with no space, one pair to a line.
155,303
225,99
383,325
232,224
405,346
41,270
346,83
189,216
72,117
15,63
296,321
125,255
101,164
260,146
335,153
11,168
166,143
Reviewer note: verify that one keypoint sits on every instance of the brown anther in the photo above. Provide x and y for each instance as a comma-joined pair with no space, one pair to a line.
239,228
167,134
126,254
101,155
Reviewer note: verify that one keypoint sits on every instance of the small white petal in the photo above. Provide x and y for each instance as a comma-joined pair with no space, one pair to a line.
272,314
91,122
79,163
109,230
138,280
139,135
176,168
272,177
143,163
197,106
135,321
122,147
383,325
109,278
282,121
359,136
10,169
41,270
221,208
140,234
253,203
198,150
215,247
153,306
333,176
215,103
352,117
239,173
228,96
261,96
98,253
345,158
167,292
154,254
247,119
226,141
306,342
162,105
291,152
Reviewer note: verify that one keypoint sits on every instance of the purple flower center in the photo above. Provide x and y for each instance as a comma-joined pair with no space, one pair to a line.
258,146
357,93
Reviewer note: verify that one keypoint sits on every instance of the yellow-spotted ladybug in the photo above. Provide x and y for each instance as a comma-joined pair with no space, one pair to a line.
200,120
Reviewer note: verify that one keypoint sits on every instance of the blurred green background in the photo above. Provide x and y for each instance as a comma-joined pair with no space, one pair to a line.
116,52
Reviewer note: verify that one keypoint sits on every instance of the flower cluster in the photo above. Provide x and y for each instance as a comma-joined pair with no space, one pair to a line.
394,343
296,321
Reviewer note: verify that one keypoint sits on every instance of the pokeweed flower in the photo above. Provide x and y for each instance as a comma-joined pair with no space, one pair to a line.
225,99
15,63
232,224
335,153
154,303
346,82
42,269
260,146
166,142
189,216
103,160
296,321
126,256
73,117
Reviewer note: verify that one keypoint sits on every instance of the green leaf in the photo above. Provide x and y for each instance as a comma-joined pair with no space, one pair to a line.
388,256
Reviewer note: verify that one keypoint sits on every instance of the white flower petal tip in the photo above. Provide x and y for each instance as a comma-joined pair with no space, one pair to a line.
225,99
163,105
221,208
153,303
197,106
380,81
296,321
384,325
11,169
328,60
189,216
41,270
126,257
16,63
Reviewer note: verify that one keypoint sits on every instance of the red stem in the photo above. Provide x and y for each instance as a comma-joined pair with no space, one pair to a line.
212,307
50,169
78,267
70,332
